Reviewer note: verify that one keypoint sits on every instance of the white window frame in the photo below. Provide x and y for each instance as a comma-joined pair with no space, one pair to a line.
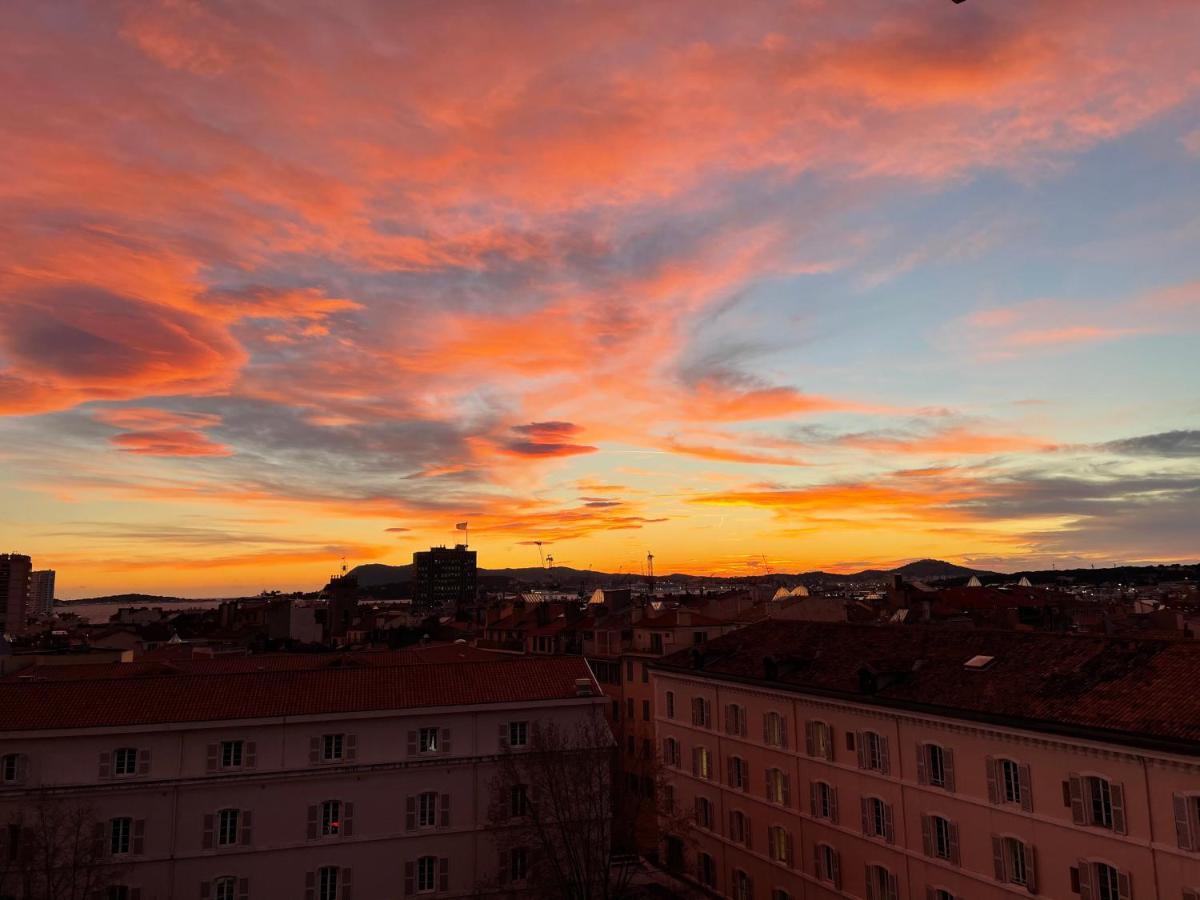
518,734
233,753
229,822
426,881
124,762
333,747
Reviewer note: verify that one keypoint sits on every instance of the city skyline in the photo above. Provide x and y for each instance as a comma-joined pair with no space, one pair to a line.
790,285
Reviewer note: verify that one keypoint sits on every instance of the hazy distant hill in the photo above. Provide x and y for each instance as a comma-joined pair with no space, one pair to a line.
936,568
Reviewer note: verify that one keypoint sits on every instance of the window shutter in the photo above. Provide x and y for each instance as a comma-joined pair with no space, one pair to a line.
351,747
850,741
502,734
922,775
745,776
814,807
444,804
733,836
1026,782
783,732
1183,822
791,849
833,805
247,826
1117,793
445,740
993,788
99,844
105,764
410,878
412,741
139,837
893,886
955,856
243,889
837,869
206,890
310,886
888,833
885,763
1031,873
864,808
347,886
766,720
786,784
347,819
829,742
747,836
1085,879
251,754
1124,888
862,750
948,768
930,893
312,823
207,839
696,761
143,762
998,857
871,895
730,724
810,741
410,813
706,707
927,834
314,751
210,757
817,861
1075,791
729,771
443,874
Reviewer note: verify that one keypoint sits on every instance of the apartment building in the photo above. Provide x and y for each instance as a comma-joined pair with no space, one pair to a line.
355,780
823,760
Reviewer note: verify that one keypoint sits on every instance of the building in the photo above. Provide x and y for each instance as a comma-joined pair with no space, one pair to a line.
14,592
444,578
822,760
217,780
41,592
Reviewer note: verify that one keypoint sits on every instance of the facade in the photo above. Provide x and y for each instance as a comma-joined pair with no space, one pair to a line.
14,592
41,592
369,779
444,577
822,760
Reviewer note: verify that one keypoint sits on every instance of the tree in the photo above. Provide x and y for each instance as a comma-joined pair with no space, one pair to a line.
565,828
54,849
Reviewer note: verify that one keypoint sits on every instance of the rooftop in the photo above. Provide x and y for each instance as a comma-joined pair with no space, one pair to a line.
1133,691
199,696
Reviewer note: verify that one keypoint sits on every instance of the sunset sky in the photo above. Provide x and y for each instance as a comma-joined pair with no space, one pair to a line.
807,284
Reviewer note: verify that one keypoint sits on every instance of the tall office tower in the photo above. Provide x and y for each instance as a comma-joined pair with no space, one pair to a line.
444,577
41,592
14,591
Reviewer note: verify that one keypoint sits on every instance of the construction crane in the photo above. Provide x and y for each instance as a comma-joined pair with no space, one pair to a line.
541,555
650,571
549,560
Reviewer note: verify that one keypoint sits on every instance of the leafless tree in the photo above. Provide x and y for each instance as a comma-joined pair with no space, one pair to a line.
565,826
54,849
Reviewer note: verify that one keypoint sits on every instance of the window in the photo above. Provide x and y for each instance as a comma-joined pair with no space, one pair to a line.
774,730
738,827
935,765
518,800
704,812
876,818
1008,782
227,826
779,844
670,704
706,870
117,892
125,761
780,894
10,768
331,818
426,874
1096,801
699,637
669,798
427,740
629,670
646,673
735,719
881,884
231,754
629,743
824,801
671,751
1100,802
737,773
827,864
518,864
1106,881
940,837
645,710
332,747
819,740
225,888
656,642
942,894
119,831
701,713
647,748
703,767
427,809
629,707
327,883
777,786
1014,861
873,752
743,886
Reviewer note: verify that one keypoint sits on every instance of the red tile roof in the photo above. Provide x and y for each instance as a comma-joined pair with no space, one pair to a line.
1133,691
204,697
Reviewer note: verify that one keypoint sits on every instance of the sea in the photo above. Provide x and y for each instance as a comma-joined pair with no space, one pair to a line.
98,613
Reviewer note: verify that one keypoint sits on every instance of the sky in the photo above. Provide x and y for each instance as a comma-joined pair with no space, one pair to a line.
755,286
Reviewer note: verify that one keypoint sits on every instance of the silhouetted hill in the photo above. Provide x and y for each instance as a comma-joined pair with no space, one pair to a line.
936,568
